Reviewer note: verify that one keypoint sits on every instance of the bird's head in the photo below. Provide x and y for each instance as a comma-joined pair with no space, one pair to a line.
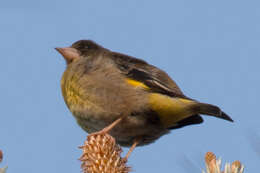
79,49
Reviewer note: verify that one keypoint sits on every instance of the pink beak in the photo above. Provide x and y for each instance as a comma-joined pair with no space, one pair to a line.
68,53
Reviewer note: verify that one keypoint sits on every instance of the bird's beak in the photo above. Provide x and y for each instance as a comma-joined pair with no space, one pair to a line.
68,53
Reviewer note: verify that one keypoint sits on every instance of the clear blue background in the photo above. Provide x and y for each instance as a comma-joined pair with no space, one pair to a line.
210,48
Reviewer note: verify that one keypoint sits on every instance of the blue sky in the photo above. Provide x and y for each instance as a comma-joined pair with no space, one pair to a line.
210,48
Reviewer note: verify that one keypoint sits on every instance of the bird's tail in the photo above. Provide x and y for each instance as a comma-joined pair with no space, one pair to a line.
211,110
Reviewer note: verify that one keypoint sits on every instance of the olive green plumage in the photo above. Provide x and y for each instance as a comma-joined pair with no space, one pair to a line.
99,86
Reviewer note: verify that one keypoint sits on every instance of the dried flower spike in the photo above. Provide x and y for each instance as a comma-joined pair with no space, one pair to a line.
210,157
1,155
211,162
213,165
102,154
2,170
236,167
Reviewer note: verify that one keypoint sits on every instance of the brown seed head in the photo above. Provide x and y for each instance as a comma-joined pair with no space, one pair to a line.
102,154
209,156
1,155
210,159
236,165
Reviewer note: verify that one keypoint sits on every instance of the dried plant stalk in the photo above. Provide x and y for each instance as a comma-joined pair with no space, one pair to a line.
102,154
1,155
213,165
2,170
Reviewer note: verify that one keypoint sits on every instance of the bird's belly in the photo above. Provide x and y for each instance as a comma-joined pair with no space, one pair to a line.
98,107
145,133
128,130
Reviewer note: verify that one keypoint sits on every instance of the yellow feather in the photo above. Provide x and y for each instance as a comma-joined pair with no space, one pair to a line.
170,109
136,83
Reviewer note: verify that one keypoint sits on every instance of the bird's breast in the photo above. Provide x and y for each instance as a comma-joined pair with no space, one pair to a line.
98,98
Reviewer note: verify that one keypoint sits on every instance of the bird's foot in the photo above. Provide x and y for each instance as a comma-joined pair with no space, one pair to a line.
106,129
136,142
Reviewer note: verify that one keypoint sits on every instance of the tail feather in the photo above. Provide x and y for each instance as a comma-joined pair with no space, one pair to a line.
212,110
194,119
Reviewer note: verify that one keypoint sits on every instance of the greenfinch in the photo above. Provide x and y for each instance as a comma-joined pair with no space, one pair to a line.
102,87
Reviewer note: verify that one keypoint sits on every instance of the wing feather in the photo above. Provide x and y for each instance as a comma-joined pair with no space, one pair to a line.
157,80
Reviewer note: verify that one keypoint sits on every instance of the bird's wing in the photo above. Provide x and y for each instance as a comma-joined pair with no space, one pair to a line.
141,73
166,98
174,109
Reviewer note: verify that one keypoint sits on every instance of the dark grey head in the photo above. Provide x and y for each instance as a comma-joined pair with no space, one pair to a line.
86,46
81,48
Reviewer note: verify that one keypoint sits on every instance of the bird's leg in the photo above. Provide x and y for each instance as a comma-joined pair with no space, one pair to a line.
107,129
136,142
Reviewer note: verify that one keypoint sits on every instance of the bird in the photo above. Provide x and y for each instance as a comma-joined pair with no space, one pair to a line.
132,100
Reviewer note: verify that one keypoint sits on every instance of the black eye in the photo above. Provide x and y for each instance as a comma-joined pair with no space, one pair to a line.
83,47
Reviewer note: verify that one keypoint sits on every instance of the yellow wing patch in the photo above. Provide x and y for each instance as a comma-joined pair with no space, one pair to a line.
137,84
170,110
